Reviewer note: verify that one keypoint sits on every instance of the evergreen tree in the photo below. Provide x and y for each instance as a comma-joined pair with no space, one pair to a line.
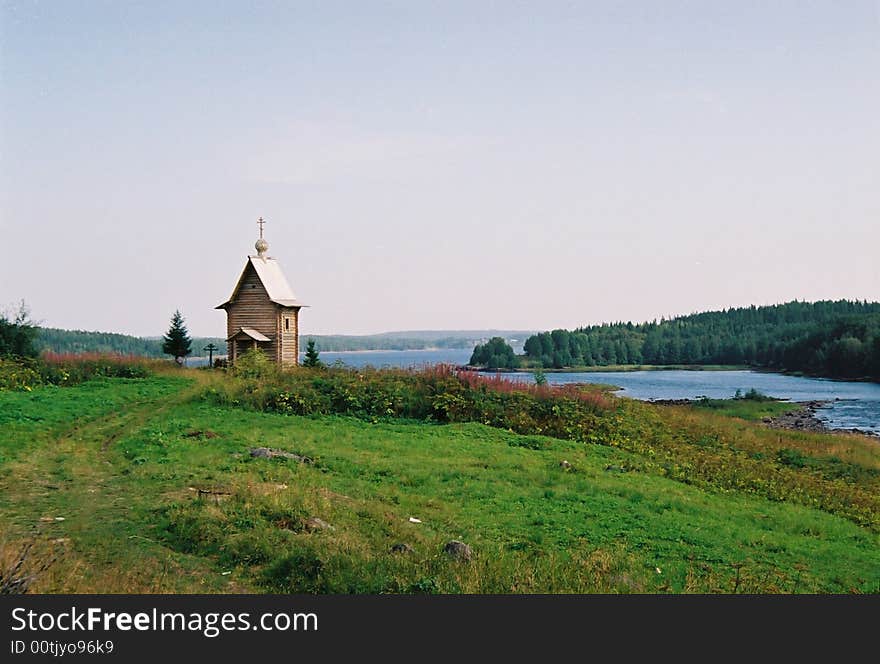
311,358
177,342
494,354
532,346
18,333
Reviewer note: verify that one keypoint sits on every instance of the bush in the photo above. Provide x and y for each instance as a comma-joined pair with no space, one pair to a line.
753,395
55,369
70,369
252,364
793,458
438,394
18,375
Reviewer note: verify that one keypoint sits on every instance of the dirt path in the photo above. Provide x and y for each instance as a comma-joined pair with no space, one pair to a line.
69,495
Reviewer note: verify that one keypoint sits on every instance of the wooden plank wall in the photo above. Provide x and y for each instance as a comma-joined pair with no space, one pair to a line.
253,308
289,336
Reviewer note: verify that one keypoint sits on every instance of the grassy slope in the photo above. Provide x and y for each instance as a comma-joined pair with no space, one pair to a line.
112,457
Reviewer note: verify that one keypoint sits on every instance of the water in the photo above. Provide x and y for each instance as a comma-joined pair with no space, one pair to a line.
376,358
398,358
194,362
851,405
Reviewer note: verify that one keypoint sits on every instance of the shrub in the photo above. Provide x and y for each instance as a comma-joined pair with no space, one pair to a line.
68,369
253,363
18,375
793,458
439,393
753,395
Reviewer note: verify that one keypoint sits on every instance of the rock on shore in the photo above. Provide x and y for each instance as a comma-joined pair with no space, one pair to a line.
802,419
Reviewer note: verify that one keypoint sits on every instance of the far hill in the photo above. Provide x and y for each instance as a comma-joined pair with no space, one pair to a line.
836,339
414,339
79,341
470,335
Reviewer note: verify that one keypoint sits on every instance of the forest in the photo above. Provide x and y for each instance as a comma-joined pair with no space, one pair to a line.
78,341
828,338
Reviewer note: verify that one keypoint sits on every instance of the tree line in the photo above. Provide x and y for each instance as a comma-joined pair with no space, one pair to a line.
837,339
345,342
78,341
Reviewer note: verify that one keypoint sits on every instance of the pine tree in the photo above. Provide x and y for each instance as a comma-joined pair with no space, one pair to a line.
177,342
494,354
311,358
18,334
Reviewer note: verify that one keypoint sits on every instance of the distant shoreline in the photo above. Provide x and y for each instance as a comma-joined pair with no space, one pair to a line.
391,350
626,368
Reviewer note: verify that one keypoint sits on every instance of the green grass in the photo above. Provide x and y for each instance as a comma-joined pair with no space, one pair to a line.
746,409
117,460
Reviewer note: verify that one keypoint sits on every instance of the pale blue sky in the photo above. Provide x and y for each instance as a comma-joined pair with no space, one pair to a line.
437,165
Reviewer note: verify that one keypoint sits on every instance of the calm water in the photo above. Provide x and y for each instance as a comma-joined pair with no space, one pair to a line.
853,405
377,358
397,358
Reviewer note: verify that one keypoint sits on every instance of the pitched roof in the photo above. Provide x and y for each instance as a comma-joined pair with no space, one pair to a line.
252,333
272,278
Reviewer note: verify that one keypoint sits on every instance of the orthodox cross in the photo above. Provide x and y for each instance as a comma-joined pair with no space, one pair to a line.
260,224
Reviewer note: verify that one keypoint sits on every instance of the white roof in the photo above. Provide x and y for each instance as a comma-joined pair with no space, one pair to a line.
273,280
252,333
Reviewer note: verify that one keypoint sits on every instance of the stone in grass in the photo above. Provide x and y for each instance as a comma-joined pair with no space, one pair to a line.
207,433
314,523
401,547
269,453
458,550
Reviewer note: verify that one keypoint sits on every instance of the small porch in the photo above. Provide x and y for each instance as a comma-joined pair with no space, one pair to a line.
245,339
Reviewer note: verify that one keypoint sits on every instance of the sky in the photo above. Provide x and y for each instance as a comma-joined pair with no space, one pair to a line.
437,165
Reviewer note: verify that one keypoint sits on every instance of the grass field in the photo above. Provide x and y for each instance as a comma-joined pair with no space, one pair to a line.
146,485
